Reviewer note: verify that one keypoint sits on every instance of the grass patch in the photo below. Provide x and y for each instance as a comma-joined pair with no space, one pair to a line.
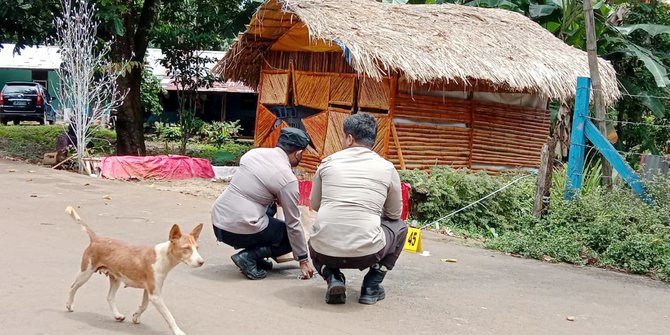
32,142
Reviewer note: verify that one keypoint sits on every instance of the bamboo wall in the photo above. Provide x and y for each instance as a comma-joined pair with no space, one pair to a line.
467,134
425,130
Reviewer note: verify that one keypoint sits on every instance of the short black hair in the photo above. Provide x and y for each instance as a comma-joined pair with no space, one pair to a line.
362,127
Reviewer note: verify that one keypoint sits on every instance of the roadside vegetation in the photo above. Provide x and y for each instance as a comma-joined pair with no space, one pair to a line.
30,143
612,229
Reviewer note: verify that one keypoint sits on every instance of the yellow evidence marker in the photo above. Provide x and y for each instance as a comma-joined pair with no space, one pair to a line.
413,240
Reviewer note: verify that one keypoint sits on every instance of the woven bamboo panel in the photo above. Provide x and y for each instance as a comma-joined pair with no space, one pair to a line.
382,129
332,62
311,90
274,88
333,141
374,94
455,86
432,109
426,145
265,120
508,136
309,162
342,89
271,140
317,128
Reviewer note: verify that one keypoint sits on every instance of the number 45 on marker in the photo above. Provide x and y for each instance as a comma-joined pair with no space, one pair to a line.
413,240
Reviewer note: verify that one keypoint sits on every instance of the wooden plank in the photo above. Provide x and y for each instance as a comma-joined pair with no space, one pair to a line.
471,137
392,103
397,145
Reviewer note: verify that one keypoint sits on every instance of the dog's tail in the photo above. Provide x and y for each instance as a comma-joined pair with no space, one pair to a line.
77,219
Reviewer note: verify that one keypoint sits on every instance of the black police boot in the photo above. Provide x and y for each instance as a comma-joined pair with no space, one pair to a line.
263,253
371,290
336,293
247,261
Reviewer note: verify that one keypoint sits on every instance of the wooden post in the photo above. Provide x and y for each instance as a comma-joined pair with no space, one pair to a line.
471,134
391,113
543,185
397,146
599,101
577,138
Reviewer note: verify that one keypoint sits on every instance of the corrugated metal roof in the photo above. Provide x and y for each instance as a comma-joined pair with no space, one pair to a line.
155,55
31,58
48,58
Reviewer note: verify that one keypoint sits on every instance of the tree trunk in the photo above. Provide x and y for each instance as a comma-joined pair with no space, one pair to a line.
129,123
133,46
599,102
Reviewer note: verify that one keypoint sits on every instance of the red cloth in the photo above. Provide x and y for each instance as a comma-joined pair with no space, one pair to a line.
405,200
305,187
155,167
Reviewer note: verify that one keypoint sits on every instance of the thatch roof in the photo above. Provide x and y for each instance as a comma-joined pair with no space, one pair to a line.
425,43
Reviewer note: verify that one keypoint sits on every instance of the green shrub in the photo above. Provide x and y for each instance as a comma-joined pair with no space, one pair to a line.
607,228
220,133
227,154
167,132
443,190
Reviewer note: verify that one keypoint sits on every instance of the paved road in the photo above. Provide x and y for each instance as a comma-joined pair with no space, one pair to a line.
485,292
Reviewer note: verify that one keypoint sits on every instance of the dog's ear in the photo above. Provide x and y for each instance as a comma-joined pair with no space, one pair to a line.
196,231
175,233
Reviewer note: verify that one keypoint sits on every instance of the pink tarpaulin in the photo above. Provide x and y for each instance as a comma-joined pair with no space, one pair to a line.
155,167
305,187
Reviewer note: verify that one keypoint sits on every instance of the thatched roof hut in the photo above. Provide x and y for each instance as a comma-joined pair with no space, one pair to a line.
419,67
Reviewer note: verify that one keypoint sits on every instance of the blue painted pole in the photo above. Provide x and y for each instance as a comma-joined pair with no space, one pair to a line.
610,153
577,138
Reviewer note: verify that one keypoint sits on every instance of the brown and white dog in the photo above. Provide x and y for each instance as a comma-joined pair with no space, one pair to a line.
142,267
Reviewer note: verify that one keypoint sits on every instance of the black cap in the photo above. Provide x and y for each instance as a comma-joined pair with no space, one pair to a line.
293,137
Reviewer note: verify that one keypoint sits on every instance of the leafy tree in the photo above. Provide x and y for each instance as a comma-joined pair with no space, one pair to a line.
634,36
151,92
128,24
27,22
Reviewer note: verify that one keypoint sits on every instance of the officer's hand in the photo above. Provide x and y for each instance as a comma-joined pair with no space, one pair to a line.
307,270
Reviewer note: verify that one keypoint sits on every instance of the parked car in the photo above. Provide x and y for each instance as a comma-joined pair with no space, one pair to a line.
25,101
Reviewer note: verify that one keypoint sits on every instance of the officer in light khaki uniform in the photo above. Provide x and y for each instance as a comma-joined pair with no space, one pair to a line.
358,197
242,216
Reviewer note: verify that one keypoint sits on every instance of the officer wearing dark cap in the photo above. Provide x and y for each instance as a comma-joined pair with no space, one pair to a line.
242,218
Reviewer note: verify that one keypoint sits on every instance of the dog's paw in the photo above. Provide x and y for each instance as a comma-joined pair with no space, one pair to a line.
136,318
178,332
69,308
119,317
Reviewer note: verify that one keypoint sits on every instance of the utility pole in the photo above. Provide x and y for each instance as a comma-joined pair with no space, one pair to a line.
599,101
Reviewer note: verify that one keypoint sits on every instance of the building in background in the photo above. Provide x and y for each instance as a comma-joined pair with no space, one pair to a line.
224,101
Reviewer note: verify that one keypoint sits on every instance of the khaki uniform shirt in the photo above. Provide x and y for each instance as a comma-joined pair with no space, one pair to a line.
264,175
352,190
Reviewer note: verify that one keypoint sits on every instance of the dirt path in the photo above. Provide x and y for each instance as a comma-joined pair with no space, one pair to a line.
485,292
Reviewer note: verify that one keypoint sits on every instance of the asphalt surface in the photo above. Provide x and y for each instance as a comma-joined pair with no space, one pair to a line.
484,292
